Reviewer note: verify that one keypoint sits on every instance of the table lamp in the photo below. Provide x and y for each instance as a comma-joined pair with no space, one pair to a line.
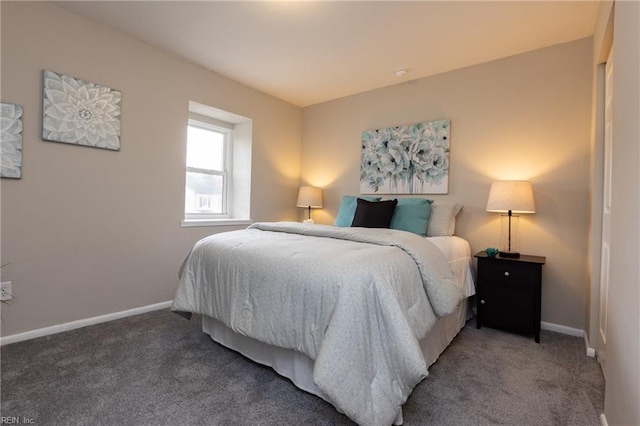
510,197
310,198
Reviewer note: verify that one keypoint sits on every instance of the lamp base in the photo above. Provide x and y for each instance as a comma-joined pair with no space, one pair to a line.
509,254
308,221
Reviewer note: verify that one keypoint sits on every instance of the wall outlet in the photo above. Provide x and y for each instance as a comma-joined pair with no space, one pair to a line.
5,290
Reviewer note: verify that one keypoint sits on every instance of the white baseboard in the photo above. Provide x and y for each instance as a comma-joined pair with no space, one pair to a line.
563,329
54,329
603,420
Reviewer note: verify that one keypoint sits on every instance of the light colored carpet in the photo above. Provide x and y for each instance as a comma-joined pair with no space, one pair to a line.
160,369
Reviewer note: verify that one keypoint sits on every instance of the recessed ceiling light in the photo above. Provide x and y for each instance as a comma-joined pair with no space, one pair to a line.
401,72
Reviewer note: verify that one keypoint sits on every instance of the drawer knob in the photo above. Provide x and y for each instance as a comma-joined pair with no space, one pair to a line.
482,301
506,274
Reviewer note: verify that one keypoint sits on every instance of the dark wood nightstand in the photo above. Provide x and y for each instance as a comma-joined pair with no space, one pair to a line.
509,292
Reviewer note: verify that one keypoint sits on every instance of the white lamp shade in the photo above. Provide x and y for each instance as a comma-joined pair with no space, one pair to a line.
514,195
309,196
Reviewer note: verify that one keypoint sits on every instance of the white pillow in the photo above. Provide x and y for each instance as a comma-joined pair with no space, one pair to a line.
442,221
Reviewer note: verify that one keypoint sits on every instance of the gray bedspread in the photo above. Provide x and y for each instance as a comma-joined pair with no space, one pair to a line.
355,300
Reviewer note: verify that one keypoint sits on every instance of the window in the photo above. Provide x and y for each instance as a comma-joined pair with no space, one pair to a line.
218,167
208,168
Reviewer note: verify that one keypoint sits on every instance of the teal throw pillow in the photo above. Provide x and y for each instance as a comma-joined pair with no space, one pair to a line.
412,215
347,209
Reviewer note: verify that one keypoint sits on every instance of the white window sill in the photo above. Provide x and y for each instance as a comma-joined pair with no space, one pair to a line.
215,222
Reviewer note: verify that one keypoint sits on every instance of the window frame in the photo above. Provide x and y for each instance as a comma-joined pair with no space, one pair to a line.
227,162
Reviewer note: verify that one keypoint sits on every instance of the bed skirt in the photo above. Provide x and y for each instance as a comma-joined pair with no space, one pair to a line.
298,367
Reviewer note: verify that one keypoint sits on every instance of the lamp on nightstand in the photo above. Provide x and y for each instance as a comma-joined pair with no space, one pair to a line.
311,198
510,197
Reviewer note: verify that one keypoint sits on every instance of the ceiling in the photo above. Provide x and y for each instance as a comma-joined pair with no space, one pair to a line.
307,52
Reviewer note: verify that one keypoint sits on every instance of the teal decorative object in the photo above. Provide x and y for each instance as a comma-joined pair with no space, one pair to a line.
491,251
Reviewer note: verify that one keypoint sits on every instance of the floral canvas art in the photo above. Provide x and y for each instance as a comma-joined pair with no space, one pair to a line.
411,159
81,113
10,141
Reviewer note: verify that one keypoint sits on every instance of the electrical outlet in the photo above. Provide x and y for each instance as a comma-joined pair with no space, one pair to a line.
5,290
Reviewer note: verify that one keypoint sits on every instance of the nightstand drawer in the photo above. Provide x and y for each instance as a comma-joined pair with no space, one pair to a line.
510,272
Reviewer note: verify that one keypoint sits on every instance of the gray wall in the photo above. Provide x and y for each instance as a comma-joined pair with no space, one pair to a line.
523,117
89,231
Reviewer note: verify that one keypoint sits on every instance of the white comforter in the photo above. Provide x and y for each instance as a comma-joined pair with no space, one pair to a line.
352,299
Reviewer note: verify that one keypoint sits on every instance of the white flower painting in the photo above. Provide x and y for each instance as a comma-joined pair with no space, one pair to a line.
10,141
78,112
412,159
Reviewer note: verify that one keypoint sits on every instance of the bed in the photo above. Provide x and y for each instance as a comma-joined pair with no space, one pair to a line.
352,315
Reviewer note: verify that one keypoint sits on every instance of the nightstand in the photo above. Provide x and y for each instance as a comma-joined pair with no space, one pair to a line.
509,292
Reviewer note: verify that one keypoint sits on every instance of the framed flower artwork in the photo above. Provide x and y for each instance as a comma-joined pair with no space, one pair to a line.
80,113
411,159
10,141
